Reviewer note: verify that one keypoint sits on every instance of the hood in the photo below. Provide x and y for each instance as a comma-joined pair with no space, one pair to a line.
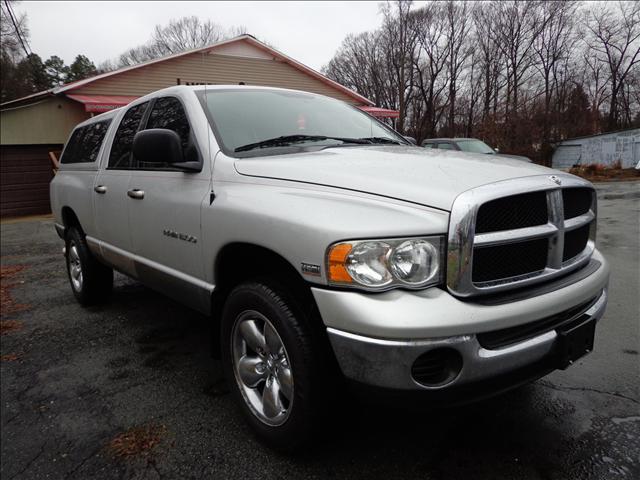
517,157
428,177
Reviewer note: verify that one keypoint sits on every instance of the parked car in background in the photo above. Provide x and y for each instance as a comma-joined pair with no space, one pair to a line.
471,145
331,254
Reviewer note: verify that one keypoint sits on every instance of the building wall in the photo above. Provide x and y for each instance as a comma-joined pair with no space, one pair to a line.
210,68
49,121
602,149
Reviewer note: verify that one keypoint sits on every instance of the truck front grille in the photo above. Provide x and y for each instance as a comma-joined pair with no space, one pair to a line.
518,232
576,201
516,211
506,261
575,241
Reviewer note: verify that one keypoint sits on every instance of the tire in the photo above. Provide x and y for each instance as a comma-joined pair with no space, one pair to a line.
293,380
91,281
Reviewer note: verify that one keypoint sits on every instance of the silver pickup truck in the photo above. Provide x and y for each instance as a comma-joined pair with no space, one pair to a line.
329,251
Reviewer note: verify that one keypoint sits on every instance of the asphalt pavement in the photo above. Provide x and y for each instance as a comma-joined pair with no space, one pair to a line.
130,390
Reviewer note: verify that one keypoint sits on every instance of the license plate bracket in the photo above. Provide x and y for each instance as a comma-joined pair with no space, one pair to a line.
575,341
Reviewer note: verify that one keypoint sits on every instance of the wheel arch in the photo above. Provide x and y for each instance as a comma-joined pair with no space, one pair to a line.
238,262
241,261
70,219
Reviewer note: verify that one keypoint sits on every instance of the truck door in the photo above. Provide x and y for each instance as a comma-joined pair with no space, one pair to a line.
164,213
110,193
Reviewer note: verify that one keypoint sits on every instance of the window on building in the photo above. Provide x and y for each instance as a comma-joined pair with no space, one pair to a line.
85,142
121,155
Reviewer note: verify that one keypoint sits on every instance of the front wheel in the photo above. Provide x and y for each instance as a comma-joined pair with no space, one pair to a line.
269,361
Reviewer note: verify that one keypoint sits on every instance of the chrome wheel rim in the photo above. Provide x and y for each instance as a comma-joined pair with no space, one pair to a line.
75,267
261,367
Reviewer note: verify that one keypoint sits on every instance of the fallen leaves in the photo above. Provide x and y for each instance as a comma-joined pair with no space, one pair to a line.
8,305
137,441
8,326
9,357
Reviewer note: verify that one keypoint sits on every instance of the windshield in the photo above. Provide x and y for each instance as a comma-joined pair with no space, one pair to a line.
474,146
261,122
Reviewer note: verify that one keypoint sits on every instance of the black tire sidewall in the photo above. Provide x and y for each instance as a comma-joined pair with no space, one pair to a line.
97,279
272,301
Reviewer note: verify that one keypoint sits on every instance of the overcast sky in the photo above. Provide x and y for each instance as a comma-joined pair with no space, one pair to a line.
310,32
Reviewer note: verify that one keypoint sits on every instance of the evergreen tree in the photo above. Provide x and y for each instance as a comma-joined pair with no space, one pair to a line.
80,69
31,75
56,70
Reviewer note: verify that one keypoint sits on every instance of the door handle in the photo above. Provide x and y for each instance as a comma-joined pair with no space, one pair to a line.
100,189
136,193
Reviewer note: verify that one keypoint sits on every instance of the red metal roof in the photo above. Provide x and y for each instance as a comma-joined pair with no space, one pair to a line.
380,112
102,103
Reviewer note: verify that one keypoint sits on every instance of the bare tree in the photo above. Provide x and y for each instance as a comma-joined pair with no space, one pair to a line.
185,33
516,29
458,23
399,37
553,46
615,41
360,65
596,81
519,75
430,65
488,56
178,35
10,40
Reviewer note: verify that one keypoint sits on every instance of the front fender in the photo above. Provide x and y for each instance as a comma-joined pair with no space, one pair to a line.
299,223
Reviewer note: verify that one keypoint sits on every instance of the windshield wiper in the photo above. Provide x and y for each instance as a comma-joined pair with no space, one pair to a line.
291,139
382,140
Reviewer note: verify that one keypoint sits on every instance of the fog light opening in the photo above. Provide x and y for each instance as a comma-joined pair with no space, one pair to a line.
437,367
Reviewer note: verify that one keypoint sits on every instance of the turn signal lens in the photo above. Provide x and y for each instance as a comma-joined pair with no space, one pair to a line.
337,258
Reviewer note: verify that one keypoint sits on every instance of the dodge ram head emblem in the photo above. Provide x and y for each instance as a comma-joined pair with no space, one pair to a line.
555,179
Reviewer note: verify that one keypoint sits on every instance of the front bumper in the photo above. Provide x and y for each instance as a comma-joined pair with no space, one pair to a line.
410,324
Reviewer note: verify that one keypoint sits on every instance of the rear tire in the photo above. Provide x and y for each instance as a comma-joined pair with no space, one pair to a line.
272,366
91,281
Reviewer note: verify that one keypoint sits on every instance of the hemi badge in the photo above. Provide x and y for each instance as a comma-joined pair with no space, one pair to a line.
310,269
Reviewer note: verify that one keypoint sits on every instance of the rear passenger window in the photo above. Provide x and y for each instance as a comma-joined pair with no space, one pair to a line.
84,144
120,156
168,113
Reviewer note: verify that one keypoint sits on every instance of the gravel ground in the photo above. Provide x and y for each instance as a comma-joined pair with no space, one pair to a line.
129,390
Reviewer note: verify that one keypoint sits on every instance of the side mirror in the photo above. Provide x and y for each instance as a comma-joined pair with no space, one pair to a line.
160,146
410,139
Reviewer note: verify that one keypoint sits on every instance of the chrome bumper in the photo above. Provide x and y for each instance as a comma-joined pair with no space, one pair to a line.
388,363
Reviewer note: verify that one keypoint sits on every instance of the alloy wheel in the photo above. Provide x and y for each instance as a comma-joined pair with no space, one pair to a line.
75,267
261,368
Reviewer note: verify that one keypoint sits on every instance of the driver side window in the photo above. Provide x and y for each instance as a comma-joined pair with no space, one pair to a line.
168,113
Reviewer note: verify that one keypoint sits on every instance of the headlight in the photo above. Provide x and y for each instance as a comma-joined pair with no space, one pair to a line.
383,264
415,261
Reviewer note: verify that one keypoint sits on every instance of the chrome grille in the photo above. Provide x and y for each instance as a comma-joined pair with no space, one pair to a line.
501,238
